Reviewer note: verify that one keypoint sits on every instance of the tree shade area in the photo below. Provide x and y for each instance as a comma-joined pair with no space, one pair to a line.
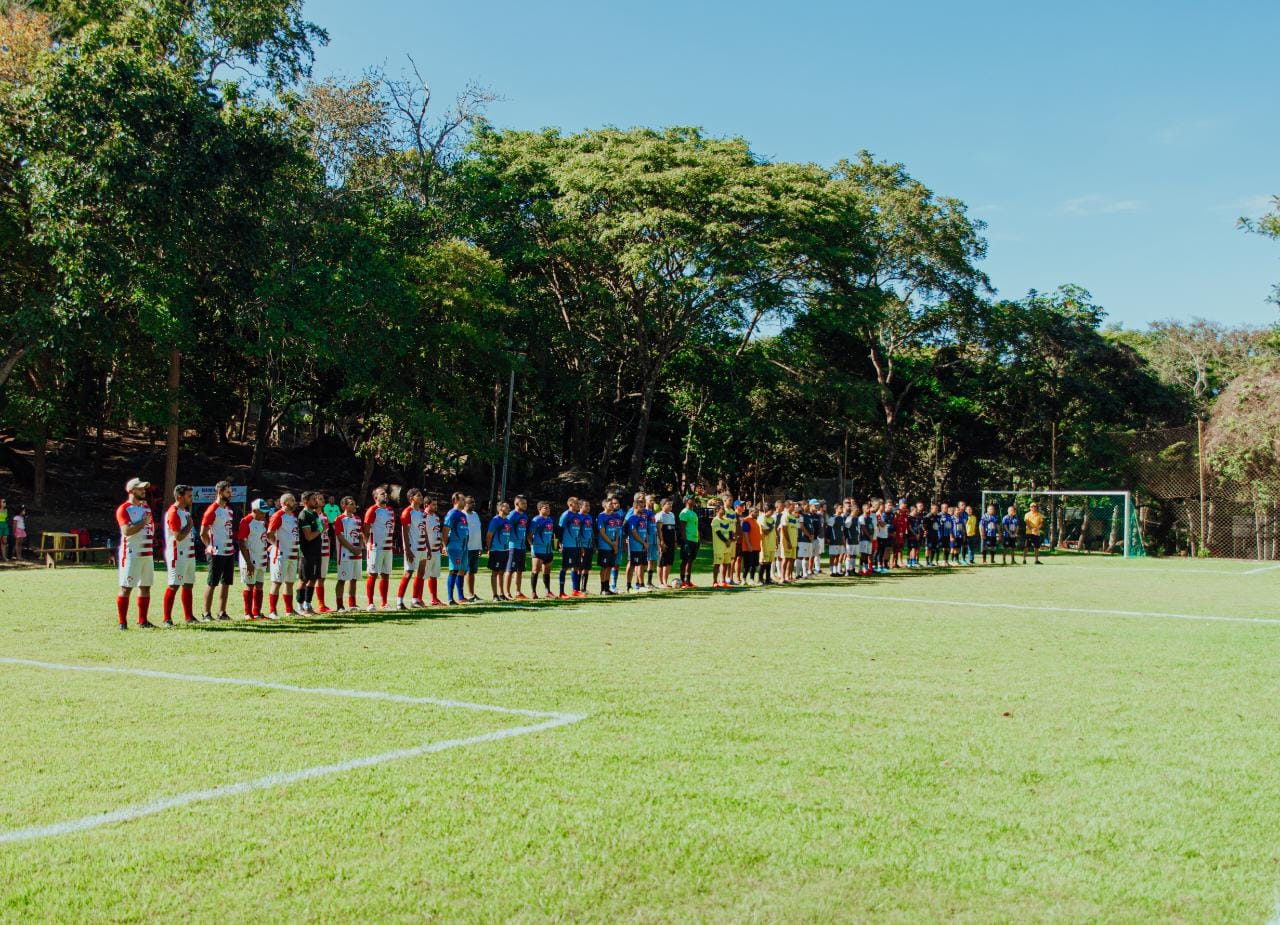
203,245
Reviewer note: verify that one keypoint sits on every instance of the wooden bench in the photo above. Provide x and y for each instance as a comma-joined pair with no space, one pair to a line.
51,555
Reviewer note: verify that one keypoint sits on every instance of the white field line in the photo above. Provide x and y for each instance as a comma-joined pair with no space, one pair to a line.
986,605
279,778
1265,568
1122,569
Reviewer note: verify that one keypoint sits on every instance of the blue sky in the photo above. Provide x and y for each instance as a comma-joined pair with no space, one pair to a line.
1111,145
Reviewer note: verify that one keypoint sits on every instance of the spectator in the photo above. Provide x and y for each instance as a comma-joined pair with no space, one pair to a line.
19,532
331,510
4,531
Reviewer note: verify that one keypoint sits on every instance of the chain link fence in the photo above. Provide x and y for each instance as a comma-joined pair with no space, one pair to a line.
1185,508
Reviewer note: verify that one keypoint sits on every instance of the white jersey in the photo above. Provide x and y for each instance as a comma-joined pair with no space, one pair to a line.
176,550
285,526
433,532
348,527
253,533
414,522
381,521
220,521
139,545
324,534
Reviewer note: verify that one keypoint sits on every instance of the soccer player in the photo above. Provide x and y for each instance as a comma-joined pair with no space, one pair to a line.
457,547
179,554
475,547
136,567
608,539
804,543
932,527
1033,527
586,545
915,535
519,519
568,527
542,535
945,534
326,545
866,538
282,540
1010,526
750,538
498,539
651,527
435,550
989,530
379,535
723,542
348,534
666,518
789,540
768,543
218,533
691,538
252,543
820,535
309,533
901,529
971,539
413,530
637,531
834,527
958,534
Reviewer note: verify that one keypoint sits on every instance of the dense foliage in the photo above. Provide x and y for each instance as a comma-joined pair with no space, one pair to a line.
180,204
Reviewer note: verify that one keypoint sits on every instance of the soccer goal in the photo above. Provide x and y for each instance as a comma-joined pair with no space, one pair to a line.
1085,521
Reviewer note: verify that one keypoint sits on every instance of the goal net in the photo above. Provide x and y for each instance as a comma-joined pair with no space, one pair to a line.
1081,521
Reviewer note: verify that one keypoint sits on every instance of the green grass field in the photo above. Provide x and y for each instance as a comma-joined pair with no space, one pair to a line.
846,750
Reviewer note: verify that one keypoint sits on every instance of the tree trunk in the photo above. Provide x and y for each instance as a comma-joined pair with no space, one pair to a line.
171,439
260,432
366,480
636,472
39,468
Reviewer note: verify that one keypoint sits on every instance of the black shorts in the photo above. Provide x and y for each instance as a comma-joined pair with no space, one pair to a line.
688,550
569,558
473,560
517,561
636,557
544,557
606,558
584,558
310,568
667,556
498,561
221,570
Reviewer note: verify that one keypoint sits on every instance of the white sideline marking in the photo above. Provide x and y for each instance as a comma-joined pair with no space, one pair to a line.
1122,569
278,778
1041,608
1254,571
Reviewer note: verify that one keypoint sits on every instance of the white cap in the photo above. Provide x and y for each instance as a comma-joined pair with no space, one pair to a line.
136,483
260,506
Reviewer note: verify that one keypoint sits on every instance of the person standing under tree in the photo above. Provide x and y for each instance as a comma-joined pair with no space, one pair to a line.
179,554
19,533
218,533
1010,526
135,564
457,536
348,535
251,538
309,531
4,531
989,530
690,539
1033,525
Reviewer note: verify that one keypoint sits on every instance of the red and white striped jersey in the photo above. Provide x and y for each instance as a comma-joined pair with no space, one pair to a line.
324,533
138,545
253,533
285,526
219,519
381,522
433,532
177,519
415,524
348,527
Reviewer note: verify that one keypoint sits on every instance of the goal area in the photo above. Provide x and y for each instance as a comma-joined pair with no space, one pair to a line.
1084,521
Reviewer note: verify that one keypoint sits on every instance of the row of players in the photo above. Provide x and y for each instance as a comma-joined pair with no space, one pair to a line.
291,546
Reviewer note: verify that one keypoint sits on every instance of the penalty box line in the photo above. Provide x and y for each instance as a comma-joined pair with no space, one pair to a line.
549,720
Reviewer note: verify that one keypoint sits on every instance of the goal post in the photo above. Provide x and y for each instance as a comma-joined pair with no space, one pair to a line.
1075,517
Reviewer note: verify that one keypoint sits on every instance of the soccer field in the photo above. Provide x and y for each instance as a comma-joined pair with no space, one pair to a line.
1089,740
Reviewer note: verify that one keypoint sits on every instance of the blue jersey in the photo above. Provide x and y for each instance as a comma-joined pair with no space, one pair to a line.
500,527
944,525
459,531
651,527
957,523
569,530
586,531
1009,526
541,533
608,527
519,521
988,525
637,525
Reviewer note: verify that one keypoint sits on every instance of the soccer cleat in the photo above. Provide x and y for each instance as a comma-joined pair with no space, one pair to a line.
122,626
224,616
325,610
191,620
436,602
521,597
563,596
206,618
271,616
401,606
250,617
452,603
168,623
146,625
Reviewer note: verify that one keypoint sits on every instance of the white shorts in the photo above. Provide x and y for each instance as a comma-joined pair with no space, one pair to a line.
181,572
432,569
137,572
284,571
822,546
259,572
411,560
348,570
324,567
864,547
379,562
850,549
804,550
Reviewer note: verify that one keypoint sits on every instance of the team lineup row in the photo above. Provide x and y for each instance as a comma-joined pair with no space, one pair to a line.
291,547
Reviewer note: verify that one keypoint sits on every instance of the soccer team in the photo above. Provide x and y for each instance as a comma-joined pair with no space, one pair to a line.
288,548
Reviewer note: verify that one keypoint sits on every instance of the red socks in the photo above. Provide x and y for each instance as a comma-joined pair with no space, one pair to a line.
384,585
417,588
368,588
169,594
273,599
122,609
248,601
288,603
404,586
144,604
433,585
320,591
186,602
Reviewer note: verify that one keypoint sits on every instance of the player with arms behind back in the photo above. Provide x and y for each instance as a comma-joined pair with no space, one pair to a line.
134,562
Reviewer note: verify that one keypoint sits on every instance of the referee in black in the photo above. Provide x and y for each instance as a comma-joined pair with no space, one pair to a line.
309,545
